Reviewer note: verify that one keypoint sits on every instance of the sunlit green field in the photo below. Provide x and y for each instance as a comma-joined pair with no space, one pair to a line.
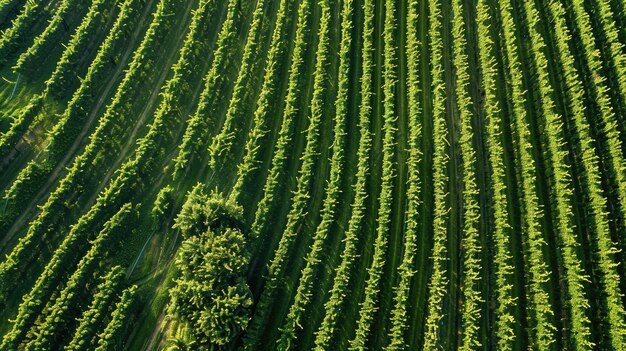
312,174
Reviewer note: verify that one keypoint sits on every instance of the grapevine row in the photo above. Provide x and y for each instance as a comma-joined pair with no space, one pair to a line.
438,280
19,29
504,323
50,211
608,116
406,270
64,73
45,41
615,307
65,256
470,241
112,332
76,175
7,7
97,311
65,131
339,292
539,276
285,134
314,258
221,144
198,125
132,172
302,195
578,301
616,49
267,96
60,310
370,304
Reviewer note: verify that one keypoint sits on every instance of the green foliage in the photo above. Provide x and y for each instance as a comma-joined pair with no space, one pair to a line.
60,311
580,335
65,257
315,256
93,318
502,230
202,211
406,270
607,251
109,338
277,170
20,29
438,284
163,204
134,170
221,145
422,141
211,294
20,125
472,297
337,301
372,288
302,194
64,75
61,139
539,276
44,42
269,91
8,8
608,116
199,124
616,53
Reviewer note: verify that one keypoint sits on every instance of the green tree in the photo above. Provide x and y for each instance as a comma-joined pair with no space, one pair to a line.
211,293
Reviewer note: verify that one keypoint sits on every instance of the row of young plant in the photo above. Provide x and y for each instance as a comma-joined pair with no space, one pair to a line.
438,282
133,173
21,28
302,194
135,170
65,256
18,196
64,75
128,176
54,206
220,150
270,89
615,47
200,123
607,252
8,9
607,264
315,256
501,232
472,299
609,120
538,281
336,303
407,269
578,308
284,140
60,313
92,320
112,333
67,15
371,301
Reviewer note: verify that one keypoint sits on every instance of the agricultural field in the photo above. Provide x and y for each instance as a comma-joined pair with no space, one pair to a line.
312,175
